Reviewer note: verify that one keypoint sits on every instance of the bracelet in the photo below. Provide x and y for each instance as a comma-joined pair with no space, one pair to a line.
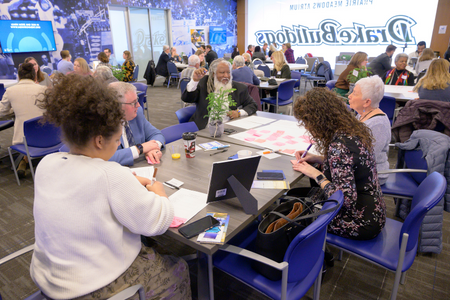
321,181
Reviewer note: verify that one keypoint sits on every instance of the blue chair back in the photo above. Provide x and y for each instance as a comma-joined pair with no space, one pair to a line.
286,90
141,92
257,61
141,87
300,60
427,195
172,68
265,69
414,160
2,90
47,70
6,124
387,105
64,148
136,73
298,76
183,84
174,132
41,135
307,246
184,114
330,85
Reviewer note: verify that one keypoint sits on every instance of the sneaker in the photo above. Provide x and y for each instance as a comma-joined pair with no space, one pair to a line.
21,169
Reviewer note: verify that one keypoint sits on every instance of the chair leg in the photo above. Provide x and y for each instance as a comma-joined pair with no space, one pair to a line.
168,83
30,163
13,165
210,277
317,284
340,254
398,272
403,278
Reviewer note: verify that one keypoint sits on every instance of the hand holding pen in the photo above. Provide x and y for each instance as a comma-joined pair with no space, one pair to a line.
304,153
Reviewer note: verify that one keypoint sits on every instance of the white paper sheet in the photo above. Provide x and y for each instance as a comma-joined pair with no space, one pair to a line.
146,172
250,122
187,203
405,91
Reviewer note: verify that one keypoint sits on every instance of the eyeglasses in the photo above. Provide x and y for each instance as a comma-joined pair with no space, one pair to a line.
133,104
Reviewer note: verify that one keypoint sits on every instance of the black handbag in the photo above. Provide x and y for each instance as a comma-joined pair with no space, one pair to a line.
273,245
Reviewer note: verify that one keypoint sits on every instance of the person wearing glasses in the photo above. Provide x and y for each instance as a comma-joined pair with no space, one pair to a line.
138,135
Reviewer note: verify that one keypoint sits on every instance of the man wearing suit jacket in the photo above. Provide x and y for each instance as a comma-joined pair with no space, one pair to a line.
161,67
211,55
138,136
219,77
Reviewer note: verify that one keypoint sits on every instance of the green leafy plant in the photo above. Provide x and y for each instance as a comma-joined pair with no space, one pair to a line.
363,72
118,72
218,105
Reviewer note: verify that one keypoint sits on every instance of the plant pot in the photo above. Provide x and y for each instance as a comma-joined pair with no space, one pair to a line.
216,129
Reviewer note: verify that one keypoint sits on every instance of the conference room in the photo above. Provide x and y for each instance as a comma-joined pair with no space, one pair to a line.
223,175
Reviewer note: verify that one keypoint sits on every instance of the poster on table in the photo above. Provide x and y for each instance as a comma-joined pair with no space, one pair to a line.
326,28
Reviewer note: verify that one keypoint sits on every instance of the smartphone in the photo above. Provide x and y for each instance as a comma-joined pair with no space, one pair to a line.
198,226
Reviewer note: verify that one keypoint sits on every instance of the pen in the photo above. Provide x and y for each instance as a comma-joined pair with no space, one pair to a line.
219,152
154,176
273,151
218,148
171,185
304,153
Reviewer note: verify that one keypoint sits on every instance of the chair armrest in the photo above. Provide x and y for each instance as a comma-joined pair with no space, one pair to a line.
129,292
391,171
254,256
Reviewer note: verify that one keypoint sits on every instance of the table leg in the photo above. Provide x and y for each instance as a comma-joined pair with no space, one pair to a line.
205,280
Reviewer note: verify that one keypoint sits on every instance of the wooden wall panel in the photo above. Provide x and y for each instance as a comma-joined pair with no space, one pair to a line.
241,25
440,42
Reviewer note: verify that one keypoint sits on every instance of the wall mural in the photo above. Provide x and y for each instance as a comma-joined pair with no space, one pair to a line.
83,27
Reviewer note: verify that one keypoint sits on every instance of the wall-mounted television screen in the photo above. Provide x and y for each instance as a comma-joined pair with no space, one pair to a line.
26,36
217,35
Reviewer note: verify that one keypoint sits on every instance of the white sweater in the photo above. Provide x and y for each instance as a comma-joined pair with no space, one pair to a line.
89,215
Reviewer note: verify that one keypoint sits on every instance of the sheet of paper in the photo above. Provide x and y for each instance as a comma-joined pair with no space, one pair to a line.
187,203
250,122
146,172
175,182
284,136
270,184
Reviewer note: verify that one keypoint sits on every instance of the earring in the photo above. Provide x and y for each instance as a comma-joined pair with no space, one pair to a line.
364,110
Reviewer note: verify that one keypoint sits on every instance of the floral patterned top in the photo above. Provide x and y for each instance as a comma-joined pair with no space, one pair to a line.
351,167
128,66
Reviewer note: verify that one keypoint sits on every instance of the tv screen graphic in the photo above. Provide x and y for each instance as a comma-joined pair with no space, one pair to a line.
217,35
26,36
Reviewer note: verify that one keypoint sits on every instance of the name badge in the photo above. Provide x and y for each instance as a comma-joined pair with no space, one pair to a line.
355,73
279,73
404,77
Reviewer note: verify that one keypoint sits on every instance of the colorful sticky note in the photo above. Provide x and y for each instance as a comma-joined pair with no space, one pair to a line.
279,144
288,137
294,162
177,221
272,138
291,142
251,131
250,139
288,151
257,134
265,131
260,140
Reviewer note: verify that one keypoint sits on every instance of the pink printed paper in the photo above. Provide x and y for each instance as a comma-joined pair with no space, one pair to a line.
260,140
177,222
250,139
279,144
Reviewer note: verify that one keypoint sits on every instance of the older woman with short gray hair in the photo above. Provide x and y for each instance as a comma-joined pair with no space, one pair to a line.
104,74
399,75
365,100
242,73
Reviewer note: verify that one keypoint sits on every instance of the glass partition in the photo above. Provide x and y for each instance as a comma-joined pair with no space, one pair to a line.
160,31
119,31
140,38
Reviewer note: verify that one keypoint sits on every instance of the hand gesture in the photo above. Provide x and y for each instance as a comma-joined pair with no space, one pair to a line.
199,74
154,156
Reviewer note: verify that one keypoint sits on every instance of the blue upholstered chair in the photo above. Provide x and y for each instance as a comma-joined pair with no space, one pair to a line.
387,105
38,141
284,96
297,76
257,62
395,247
174,132
173,72
136,73
300,60
301,266
184,114
142,96
265,69
330,85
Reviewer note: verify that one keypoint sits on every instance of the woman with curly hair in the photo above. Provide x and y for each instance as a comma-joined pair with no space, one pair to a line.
90,213
345,145
128,66
42,78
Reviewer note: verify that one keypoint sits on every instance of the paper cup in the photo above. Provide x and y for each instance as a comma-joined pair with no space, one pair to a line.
244,153
189,143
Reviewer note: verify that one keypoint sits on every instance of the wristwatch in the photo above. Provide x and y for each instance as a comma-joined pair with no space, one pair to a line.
140,148
321,178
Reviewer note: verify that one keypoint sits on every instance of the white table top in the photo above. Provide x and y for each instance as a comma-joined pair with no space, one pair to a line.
181,65
400,92
8,82
292,66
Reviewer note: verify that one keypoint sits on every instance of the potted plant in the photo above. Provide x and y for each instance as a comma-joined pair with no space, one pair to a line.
118,72
357,74
218,106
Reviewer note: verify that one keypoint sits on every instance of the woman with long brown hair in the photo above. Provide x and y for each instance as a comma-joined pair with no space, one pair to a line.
41,77
128,66
81,67
358,60
280,67
201,54
346,153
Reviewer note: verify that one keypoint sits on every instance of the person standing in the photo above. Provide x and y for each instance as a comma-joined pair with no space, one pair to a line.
289,54
382,63
128,66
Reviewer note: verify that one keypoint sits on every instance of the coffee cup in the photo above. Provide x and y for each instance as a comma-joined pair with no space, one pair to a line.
189,143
